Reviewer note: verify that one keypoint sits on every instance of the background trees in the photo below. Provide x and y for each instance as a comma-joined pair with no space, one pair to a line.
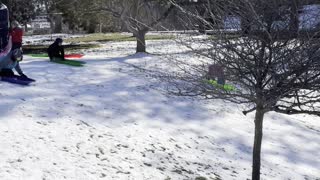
21,10
138,16
135,16
85,14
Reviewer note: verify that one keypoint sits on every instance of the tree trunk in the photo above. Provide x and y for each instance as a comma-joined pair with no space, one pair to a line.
294,18
58,23
257,143
52,25
26,27
141,41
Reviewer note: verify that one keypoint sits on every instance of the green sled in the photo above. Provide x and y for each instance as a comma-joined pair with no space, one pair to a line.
70,62
226,87
67,56
38,55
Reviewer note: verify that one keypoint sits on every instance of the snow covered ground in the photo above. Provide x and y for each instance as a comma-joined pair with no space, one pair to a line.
45,39
108,120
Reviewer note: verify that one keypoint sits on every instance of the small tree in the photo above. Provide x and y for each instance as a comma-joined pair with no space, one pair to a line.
139,16
271,65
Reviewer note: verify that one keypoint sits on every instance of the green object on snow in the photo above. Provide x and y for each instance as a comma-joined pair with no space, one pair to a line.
60,61
226,87
67,56
69,62
38,55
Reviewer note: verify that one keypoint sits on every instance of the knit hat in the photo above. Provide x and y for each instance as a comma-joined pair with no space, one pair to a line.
59,40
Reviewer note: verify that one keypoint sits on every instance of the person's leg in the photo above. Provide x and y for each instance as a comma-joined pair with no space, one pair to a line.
56,59
16,46
221,80
61,57
6,73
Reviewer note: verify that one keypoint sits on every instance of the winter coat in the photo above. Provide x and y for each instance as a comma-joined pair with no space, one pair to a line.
55,50
8,63
16,34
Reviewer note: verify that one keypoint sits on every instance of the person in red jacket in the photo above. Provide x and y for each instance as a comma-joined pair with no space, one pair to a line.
16,34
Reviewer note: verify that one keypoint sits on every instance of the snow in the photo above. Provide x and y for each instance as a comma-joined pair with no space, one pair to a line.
109,120
309,17
46,39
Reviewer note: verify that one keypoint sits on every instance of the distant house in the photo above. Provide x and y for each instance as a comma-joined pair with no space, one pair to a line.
40,25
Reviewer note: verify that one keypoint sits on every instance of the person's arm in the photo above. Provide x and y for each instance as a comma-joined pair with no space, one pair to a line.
49,50
20,34
62,51
18,69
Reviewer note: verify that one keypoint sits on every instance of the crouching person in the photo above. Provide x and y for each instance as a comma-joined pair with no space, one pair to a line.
56,50
216,72
11,61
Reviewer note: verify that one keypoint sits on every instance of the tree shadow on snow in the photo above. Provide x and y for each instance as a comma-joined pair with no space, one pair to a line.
108,93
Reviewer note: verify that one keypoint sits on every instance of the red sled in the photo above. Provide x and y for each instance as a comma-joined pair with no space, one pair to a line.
73,56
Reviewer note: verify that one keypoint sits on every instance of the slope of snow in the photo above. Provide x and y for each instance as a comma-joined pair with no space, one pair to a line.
108,120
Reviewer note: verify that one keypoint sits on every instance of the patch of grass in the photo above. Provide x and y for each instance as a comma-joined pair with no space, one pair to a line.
38,49
159,37
225,36
114,37
74,42
226,87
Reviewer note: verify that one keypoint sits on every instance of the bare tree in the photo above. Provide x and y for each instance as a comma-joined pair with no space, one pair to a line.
272,65
139,16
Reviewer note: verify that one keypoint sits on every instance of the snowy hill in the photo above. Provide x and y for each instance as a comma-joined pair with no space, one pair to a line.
108,120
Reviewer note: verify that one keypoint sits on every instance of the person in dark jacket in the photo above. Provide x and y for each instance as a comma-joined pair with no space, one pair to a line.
56,50
16,34
216,72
